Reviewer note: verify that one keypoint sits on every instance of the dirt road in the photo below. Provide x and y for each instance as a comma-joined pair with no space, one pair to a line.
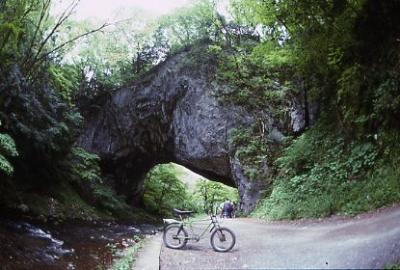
366,241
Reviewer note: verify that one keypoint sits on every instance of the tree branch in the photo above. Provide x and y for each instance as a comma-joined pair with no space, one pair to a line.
63,17
43,13
74,39
45,55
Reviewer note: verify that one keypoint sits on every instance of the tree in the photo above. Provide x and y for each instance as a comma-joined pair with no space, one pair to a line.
212,194
163,190
189,24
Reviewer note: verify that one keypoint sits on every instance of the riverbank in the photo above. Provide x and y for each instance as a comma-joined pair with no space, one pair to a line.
73,244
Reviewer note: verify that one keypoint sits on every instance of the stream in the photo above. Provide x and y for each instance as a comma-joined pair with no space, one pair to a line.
24,245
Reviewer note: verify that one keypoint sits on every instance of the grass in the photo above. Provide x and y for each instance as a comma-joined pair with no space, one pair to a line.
392,266
127,260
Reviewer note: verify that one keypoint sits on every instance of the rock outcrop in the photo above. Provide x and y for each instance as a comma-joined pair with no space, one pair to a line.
171,115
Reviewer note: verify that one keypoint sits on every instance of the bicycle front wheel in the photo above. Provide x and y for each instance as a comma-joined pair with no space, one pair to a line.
175,236
222,240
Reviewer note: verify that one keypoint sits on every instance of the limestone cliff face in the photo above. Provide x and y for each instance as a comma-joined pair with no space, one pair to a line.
171,115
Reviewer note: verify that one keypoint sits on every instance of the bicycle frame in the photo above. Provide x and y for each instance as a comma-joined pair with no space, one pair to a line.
210,227
177,233
188,223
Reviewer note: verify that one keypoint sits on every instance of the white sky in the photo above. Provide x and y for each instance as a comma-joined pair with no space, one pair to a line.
103,9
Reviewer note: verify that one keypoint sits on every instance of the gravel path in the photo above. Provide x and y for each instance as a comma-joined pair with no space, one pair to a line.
367,241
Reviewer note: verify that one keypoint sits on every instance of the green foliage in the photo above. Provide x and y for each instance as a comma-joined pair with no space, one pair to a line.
268,54
44,129
12,29
349,84
103,62
214,50
163,191
327,45
30,36
189,24
38,90
7,145
112,204
129,256
253,149
85,166
5,166
325,52
321,174
342,55
258,75
386,100
65,79
142,44
7,149
209,195
33,113
86,174
392,266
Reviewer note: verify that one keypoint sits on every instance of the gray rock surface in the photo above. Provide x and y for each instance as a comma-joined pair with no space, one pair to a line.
171,115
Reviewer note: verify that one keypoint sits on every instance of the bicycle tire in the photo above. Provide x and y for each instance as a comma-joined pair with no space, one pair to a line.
221,235
172,230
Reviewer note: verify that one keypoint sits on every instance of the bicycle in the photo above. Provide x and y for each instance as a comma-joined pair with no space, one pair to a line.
176,234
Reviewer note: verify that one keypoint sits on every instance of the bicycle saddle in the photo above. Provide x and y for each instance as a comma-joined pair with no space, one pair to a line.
181,212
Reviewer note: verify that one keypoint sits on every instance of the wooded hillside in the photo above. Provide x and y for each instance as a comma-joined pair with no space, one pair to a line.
325,71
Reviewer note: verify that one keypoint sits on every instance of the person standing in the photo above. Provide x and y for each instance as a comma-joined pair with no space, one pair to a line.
227,209
234,206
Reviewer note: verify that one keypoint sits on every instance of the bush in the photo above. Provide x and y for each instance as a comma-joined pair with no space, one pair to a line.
86,175
7,149
320,175
252,150
210,195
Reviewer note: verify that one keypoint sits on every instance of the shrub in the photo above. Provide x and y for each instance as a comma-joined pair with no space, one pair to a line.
320,175
7,149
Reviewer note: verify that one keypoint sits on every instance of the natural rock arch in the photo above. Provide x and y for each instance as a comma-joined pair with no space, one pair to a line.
171,115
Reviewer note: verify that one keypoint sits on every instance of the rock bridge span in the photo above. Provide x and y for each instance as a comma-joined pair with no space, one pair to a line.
170,115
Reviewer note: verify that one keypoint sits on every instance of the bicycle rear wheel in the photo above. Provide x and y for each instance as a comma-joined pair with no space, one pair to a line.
175,236
222,240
